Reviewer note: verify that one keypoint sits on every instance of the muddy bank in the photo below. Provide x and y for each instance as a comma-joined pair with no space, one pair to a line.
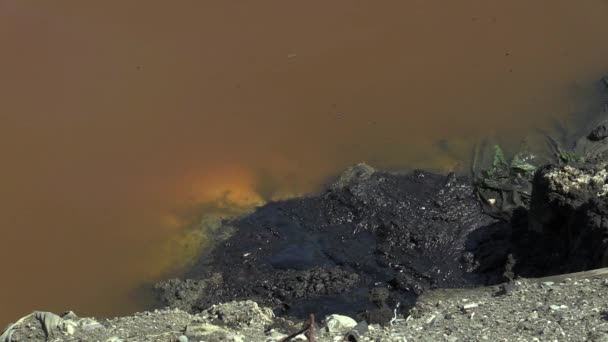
371,241
374,241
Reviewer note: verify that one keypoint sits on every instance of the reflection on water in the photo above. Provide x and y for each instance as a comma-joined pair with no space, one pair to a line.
121,121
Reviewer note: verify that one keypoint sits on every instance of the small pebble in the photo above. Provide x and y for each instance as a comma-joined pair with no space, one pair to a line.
470,306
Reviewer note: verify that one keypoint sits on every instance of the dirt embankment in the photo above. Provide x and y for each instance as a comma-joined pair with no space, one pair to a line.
572,307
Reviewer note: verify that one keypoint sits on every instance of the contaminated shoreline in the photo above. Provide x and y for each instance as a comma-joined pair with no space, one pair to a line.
387,256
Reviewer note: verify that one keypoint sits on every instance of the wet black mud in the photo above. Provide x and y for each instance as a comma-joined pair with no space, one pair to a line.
401,232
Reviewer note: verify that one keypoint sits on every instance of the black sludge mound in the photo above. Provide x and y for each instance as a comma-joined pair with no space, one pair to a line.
371,240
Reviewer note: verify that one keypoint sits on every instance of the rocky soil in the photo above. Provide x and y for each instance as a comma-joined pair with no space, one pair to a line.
571,307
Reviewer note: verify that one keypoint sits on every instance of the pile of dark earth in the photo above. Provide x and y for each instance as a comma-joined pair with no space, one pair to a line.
374,241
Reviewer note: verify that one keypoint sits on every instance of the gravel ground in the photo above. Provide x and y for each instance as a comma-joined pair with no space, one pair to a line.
565,308
570,307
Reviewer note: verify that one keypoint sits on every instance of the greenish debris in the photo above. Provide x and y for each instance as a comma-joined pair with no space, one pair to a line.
522,163
499,158
504,183
568,157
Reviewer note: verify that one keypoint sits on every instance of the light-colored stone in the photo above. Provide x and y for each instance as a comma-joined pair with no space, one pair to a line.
70,315
69,329
236,338
338,324
470,306
300,337
88,324
275,335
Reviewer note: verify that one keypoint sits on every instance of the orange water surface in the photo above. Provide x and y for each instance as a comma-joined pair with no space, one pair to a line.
125,125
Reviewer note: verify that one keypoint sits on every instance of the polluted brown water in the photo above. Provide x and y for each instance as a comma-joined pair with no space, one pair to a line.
124,126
